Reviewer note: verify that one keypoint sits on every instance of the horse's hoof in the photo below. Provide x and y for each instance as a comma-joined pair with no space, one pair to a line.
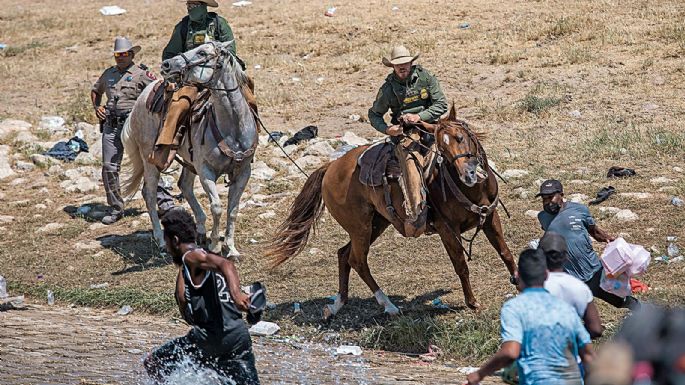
392,311
328,312
473,305
230,252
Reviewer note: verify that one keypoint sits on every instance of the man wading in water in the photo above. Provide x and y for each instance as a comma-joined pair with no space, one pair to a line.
209,298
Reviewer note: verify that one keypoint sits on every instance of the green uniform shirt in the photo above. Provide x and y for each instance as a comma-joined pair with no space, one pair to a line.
123,87
213,27
419,94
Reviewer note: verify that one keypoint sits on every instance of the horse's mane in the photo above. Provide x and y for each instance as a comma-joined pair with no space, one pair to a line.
447,123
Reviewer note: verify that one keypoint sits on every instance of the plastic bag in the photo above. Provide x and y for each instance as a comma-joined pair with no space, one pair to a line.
622,257
619,285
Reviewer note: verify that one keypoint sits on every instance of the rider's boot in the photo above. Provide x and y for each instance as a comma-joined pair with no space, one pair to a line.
167,143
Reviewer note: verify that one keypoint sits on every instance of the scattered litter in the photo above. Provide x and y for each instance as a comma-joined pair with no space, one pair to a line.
330,12
68,151
3,46
676,259
270,305
274,136
534,244
349,349
125,310
3,287
342,150
438,304
264,328
135,351
638,286
677,202
433,353
112,10
241,3
295,79
395,8
320,80
355,117
673,250
100,286
464,26
307,133
618,285
622,257
297,308
332,297
51,297
467,369
620,172
603,195
575,114
661,258
253,241
39,276
257,66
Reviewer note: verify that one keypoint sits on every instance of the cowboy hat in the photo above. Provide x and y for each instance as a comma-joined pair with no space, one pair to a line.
399,55
122,44
210,3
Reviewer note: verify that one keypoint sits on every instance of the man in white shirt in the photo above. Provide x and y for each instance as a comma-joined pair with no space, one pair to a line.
567,287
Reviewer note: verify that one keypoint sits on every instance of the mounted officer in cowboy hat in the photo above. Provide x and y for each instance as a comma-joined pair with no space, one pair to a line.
196,28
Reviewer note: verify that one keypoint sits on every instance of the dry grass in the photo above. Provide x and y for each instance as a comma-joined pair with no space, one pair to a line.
517,72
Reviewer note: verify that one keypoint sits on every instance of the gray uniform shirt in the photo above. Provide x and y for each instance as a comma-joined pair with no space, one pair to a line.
572,222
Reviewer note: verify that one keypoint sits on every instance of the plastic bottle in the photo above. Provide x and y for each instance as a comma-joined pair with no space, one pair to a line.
296,307
3,287
673,250
51,298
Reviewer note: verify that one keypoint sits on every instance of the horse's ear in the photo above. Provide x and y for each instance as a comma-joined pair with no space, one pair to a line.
453,113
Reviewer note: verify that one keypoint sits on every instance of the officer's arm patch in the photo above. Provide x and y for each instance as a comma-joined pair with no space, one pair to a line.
150,75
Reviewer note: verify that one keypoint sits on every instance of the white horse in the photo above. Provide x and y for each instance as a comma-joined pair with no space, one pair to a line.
226,152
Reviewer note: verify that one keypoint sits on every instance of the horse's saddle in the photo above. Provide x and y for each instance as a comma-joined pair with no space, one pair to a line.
375,162
157,98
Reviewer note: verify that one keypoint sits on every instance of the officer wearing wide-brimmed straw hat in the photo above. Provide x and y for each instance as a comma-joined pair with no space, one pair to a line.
122,83
411,93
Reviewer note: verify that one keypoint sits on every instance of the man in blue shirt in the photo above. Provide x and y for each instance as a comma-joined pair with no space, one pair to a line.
543,333
574,222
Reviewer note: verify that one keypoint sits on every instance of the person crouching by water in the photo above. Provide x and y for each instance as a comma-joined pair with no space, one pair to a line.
209,297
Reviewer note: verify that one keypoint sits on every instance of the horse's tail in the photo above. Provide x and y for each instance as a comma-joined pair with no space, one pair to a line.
135,166
292,235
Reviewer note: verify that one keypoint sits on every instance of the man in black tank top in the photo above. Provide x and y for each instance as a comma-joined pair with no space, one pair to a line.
209,297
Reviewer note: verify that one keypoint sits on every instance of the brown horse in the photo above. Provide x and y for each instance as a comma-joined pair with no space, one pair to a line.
457,205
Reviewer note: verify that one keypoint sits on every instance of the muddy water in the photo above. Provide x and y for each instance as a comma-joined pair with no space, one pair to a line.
54,345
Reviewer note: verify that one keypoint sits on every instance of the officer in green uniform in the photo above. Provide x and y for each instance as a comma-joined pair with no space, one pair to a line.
411,93
122,83
197,28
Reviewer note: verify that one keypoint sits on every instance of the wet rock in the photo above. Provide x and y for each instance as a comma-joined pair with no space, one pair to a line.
262,172
514,173
351,138
532,213
53,124
660,180
20,165
5,169
321,148
309,161
8,126
626,215
50,228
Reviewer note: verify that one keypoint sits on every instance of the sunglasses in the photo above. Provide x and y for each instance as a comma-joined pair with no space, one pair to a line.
122,54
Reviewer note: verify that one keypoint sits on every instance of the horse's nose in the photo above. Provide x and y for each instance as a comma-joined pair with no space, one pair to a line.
166,66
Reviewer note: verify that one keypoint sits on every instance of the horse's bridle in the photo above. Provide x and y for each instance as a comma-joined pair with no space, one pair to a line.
218,63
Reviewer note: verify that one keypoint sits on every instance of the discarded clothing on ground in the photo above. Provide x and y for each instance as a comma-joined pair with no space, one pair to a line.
603,195
307,133
620,172
68,151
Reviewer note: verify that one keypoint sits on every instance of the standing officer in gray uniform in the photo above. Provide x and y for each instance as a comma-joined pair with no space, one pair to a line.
122,83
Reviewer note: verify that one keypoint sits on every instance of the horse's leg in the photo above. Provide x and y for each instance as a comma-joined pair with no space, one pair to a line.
208,180
150,180
186,182
361,241
456,253
234,193
378,227
493,231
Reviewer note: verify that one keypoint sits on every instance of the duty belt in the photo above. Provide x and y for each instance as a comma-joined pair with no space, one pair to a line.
117,119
